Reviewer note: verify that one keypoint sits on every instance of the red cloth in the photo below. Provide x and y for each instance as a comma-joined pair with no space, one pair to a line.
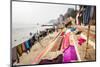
81,40
62,33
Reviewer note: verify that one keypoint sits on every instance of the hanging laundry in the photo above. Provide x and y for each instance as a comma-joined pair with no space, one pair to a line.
27,45
32,42
19,49
14,55
69,54
86,15
29,42
23,47
81,40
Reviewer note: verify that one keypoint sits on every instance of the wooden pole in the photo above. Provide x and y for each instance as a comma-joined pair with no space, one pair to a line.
86,57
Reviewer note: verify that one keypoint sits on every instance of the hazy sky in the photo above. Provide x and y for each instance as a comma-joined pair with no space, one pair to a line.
32,13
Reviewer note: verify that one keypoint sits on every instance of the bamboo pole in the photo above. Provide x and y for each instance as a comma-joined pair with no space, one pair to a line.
86,52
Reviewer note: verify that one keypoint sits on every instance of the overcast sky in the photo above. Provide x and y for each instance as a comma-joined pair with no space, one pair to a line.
24,13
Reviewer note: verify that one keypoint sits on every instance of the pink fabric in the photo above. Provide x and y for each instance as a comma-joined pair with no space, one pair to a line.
81,40
66,41
69,53
23,46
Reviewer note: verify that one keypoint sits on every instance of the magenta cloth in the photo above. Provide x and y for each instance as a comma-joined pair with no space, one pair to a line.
69,54
81,40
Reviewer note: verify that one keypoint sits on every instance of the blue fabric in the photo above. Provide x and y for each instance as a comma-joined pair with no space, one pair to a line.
73,29
27,44
86,15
